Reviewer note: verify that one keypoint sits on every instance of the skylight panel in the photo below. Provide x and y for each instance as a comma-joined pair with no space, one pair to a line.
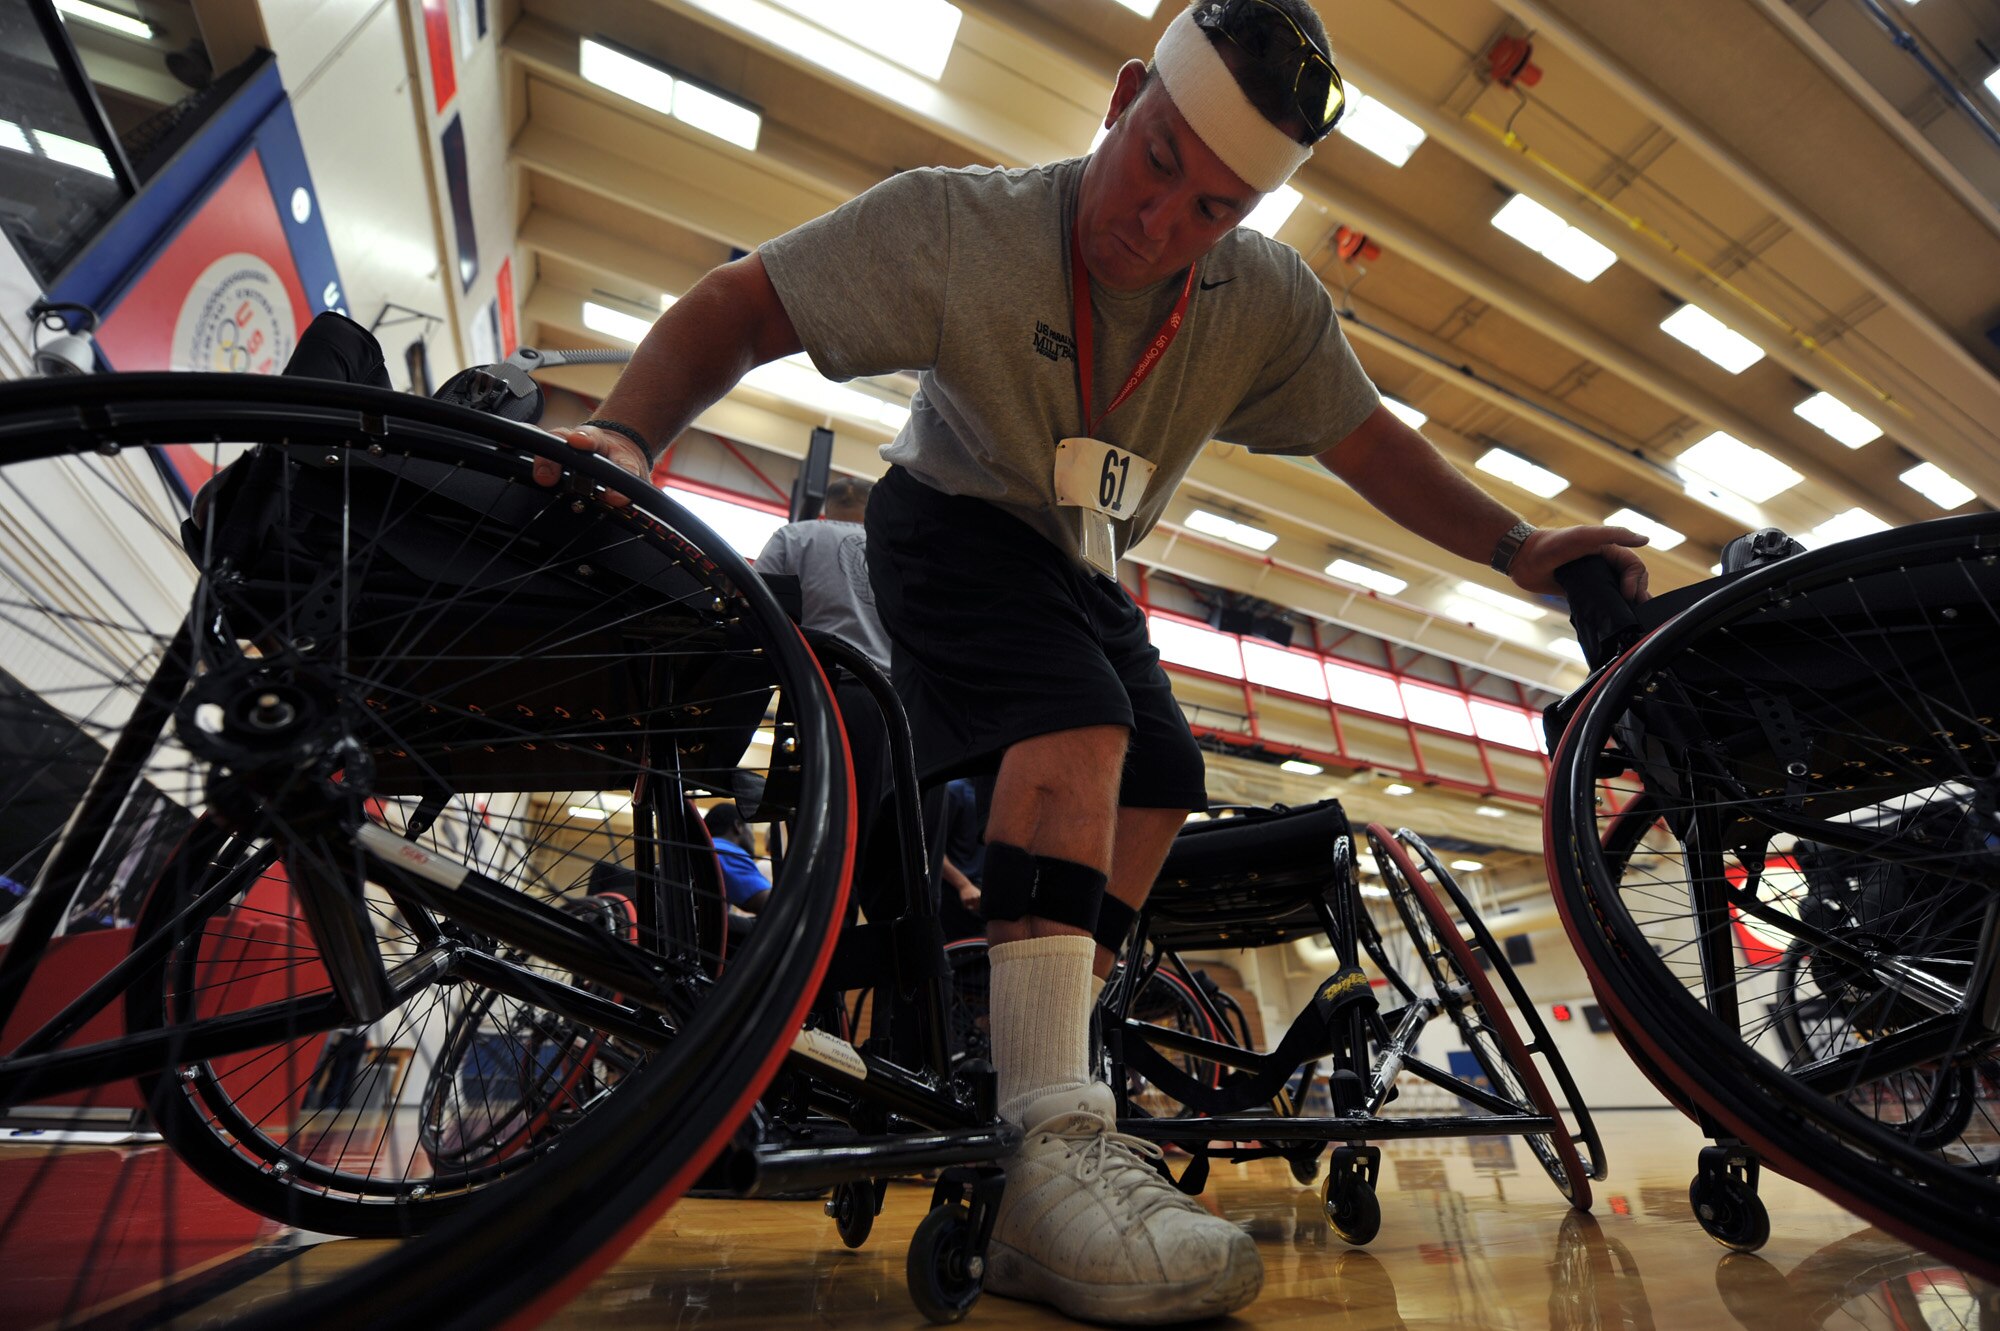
1542,231
1843,527
1513,605
1229,529
1374,579
1404,412
1727,461
1511,467
1380,130
1844,423
1712,338
1659,533
1276,209
1937,485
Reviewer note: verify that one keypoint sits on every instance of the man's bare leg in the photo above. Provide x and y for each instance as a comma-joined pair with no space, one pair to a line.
1140,847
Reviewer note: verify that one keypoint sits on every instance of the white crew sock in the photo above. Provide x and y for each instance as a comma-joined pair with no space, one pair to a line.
1039,1009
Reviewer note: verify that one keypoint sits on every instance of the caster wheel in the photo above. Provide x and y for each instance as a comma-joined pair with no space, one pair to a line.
1305,1168
1730,1211
943,1271
1351,1208
852,1207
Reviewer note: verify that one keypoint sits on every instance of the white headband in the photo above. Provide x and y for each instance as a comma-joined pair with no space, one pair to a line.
1208,98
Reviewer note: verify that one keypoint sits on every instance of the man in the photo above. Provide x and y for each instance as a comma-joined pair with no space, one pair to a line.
830,559
743,883
1081,331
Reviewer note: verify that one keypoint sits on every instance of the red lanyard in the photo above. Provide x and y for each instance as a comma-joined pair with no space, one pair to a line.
1079,279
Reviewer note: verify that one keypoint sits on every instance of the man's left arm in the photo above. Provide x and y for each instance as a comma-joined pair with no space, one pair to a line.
1403,475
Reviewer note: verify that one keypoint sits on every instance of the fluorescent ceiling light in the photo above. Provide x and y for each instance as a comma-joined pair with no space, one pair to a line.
1489,811
615,323
1274,211
1993,83
1500,623
584,811
14,137
1843,527
1935,484
1704,491
1662,536
916,34
1375,580
1302,768
1513,605
1404,412
1229,529
865,64
1396,789
83,156
1554,239
1829,413
1467,866
712,113
1143,8
1378,129
1097,140
1712,338
795,380
129,24
1569,647
650,86
631,78
1511,467
1734,465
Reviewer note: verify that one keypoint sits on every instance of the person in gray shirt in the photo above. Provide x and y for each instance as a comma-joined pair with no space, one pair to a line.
1080,331
829,557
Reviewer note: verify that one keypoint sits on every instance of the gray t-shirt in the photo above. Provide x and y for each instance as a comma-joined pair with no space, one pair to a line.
830,560
963,276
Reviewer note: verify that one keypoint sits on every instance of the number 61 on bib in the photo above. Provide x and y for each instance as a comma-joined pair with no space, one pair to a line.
1099,476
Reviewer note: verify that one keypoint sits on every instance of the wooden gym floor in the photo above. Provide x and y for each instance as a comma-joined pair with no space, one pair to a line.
1473,1236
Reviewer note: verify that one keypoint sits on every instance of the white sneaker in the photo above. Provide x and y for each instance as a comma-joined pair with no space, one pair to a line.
1088,1226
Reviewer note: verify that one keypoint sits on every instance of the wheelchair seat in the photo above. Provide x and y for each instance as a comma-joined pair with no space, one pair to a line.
1249,879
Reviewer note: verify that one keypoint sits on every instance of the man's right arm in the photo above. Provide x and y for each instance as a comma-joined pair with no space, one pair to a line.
729,323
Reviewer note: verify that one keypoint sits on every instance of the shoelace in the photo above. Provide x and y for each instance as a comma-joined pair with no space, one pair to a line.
1114,1154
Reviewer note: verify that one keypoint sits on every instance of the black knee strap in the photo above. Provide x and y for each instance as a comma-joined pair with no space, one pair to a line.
1016,884
1114,923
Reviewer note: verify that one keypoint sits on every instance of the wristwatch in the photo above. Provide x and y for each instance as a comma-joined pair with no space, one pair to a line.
1510,545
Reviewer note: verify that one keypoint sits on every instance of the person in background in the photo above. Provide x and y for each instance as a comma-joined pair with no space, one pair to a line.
829,557
742,881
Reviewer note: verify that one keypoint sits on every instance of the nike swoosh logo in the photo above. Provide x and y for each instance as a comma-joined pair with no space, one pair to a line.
1210,286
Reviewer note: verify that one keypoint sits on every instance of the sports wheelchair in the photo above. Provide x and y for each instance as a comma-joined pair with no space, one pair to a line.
307,791
1772,830
1186,1073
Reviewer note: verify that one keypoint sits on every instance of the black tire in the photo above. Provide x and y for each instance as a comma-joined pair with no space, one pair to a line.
1468,998
1352,1210
943,1279
427,505
1540,1044
1729,1211
852,1207
1825,721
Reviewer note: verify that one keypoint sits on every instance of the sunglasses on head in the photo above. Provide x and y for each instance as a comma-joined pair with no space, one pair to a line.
1269,36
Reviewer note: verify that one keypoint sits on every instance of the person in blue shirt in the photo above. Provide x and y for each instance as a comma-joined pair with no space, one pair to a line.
742,881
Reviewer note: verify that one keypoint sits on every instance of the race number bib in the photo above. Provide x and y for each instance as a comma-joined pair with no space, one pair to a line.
1101,477
1103,483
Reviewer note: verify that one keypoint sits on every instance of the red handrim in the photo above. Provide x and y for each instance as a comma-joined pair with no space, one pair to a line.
1509,1038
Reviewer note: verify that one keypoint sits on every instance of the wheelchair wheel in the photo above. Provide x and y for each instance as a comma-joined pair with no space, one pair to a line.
1540,1044
1468,998
1772,830
377,644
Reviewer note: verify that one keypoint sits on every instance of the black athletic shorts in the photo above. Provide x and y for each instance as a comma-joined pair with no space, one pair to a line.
997,636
